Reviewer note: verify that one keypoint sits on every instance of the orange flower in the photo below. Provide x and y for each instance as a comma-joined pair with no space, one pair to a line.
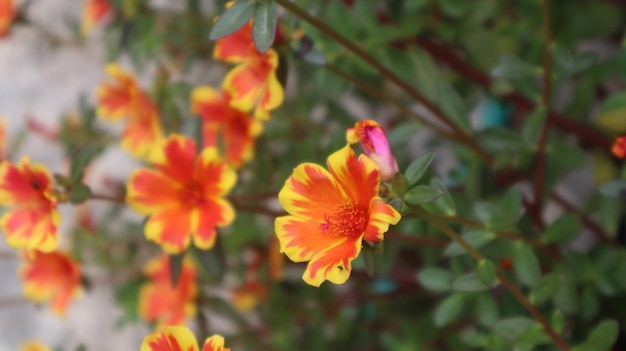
183,196
123,99
330,213
93,12
246,297
236,128
374,143
34,346
619,147
179,339
253,82
53,277
7,14
32,223
166,304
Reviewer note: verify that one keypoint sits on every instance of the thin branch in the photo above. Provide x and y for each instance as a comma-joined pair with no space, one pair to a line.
390,75
416,240
510,286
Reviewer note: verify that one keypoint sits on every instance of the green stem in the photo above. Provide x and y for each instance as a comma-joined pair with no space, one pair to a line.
509,285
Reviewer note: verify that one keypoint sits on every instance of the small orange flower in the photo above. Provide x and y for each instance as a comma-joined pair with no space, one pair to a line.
166,304
237,128
180,339
619,147
53,277
374,143
34,345
7,15
246,297
93,12
32,223
253,82
183,196
123,99
330,213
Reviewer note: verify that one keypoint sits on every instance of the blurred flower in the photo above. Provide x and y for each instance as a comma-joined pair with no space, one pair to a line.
178,339
7,15
123,99
34,346
275,260
161,302
93,12
219,118
183,196
246,297
51,276
619,147
371,136
330,213
253,82
32,223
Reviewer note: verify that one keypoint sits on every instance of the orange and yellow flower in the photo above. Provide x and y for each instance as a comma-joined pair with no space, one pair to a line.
123,99
161,302
330,213
252,84
619,147
34,345
52,277
371,136
7,15
93,12
32,222
180,339
236,128
183,196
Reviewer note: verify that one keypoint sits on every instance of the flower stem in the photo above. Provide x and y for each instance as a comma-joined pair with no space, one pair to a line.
509,285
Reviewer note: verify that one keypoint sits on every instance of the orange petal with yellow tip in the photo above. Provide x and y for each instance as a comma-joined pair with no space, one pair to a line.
170,338
214,343
118,98
236,47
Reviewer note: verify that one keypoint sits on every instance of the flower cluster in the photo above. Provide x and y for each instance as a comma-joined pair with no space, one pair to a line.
93,12
180,338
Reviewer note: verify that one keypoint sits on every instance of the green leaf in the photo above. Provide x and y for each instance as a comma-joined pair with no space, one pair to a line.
566,297
443,205
486,309
531,337
79,193
233,18
486,272
212,260
469,283
422,194
453,106
589,303
526,264
614,188
557,321
476,239
534,125
604,335
449,309
512,328
545,288
563,230
435,279
562,55
511,67
584,61
80,159
176,265
417,168
264,25
427,75
399,184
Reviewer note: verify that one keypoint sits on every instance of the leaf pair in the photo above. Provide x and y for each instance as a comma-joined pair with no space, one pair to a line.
264,18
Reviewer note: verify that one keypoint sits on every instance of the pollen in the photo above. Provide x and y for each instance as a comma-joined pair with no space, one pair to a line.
346,220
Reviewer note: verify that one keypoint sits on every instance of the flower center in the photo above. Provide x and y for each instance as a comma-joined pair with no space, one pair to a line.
192,194
347,220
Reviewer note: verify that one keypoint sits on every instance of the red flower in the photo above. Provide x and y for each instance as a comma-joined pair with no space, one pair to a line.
93,12
619,147
32,223
180,339
183,196
330,213
53,277
253,82
161,302
7,15
219,118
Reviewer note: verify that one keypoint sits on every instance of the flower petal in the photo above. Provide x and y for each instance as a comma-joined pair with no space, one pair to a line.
34,346
116,100
334,264
143,136
359,178
212,213
24,183
179,154
310,192
170,339
236,47
32,228
148,191
381,216
214,343
170,228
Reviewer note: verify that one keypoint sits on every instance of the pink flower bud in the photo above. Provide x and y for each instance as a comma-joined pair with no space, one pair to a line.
374,142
